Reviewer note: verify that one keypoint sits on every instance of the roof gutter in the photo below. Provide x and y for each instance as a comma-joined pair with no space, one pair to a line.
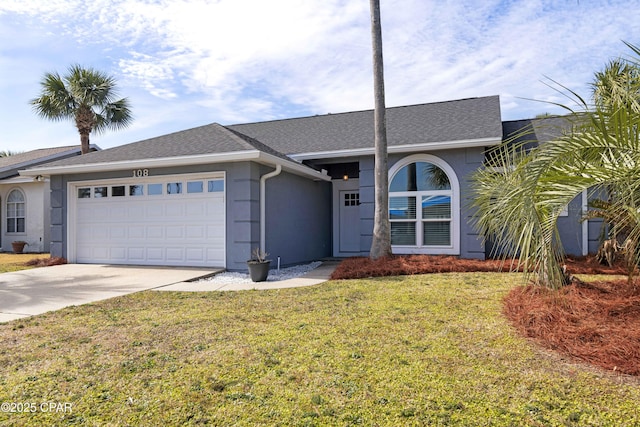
407,148
202,159
263,205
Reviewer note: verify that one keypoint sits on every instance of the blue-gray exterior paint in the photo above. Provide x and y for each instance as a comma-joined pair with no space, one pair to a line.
570,228
464,161
302,204
299,219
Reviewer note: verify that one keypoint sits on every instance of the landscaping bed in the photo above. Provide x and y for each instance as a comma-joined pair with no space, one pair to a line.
362,267
591,320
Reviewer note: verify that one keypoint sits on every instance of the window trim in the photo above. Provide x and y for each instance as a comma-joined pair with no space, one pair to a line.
15,218
454,192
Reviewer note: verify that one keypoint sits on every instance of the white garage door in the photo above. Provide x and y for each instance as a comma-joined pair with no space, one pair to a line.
173,221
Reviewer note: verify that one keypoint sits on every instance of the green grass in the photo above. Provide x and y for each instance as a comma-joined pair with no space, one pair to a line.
16,262
419,350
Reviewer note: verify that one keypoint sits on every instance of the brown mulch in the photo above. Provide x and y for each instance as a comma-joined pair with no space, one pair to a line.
595,322
45,262
397,265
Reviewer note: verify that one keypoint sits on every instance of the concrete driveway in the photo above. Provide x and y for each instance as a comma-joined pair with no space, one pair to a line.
29,292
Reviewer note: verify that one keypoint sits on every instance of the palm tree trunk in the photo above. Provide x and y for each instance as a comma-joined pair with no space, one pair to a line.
85,121
84,142
381,244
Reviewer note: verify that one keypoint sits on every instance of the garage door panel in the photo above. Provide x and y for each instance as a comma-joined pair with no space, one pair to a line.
197,209
155,232
118,254
175,232
195,254
176,229
174,209
136,231
136,254
195,231
155,254
175,254
118,212
117,232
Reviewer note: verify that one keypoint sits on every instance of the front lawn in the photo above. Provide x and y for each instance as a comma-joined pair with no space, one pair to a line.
16,262
414,350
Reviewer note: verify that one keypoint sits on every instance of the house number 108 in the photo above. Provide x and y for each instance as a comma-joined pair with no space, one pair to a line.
139,173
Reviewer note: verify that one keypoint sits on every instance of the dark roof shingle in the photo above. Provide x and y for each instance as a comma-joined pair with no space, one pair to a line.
466,119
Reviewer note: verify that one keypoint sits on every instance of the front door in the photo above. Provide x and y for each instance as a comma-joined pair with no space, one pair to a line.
346,196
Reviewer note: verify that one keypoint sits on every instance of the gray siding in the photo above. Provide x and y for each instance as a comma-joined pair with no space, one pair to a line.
570,228
298,214
242,207
463,162
307,236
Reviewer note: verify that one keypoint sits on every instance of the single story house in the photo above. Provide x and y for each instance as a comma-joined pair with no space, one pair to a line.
302,189
24,200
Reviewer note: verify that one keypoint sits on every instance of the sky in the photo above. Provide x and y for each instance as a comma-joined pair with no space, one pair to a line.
188,63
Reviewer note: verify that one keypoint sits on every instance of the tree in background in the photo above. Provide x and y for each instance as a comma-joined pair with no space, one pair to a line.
519,195
381,243
87,97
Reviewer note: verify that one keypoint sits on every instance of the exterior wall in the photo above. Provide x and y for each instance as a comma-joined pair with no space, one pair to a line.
36,215
463,161
298,212
311,219
570,228
241,195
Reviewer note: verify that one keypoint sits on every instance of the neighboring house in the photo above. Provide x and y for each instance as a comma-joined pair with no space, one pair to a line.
302,189
24,200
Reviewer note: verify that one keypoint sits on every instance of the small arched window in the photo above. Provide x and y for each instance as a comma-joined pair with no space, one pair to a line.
15,212
423,206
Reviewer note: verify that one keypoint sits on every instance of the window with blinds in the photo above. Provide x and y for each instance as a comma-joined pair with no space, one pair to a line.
420,206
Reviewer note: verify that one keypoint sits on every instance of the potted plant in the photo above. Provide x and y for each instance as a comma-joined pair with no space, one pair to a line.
18,246
258,265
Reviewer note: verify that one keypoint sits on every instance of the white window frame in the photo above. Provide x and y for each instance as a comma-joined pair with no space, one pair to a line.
454,247
16,217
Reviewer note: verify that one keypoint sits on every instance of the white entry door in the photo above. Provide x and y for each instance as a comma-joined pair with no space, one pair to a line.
172,221
346,207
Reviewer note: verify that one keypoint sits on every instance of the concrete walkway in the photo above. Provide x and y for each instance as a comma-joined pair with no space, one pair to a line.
314,277
29,292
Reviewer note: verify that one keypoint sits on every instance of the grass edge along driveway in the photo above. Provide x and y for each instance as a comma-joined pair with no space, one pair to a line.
415,350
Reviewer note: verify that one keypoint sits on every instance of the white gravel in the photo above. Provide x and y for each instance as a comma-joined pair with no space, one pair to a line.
274,274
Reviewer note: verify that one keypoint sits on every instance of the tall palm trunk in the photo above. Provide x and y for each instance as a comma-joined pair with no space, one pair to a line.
381,244
85,121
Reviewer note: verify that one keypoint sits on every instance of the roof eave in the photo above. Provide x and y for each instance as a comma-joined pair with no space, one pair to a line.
201,159
408,148
40,160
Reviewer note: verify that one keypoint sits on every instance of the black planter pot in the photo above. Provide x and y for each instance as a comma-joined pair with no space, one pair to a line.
258,270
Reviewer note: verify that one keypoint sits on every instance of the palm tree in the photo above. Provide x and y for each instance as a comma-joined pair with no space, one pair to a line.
520,195
381,243
86,96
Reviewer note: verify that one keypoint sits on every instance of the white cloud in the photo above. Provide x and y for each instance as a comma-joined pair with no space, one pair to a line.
189,62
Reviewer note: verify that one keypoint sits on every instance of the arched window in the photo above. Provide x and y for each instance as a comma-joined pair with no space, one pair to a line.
424,206
15,212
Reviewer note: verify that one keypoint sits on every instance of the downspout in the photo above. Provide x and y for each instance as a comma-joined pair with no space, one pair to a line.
263,205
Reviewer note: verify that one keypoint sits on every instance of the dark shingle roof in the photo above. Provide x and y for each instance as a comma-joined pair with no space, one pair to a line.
466,119
208,139
535,131
10,165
